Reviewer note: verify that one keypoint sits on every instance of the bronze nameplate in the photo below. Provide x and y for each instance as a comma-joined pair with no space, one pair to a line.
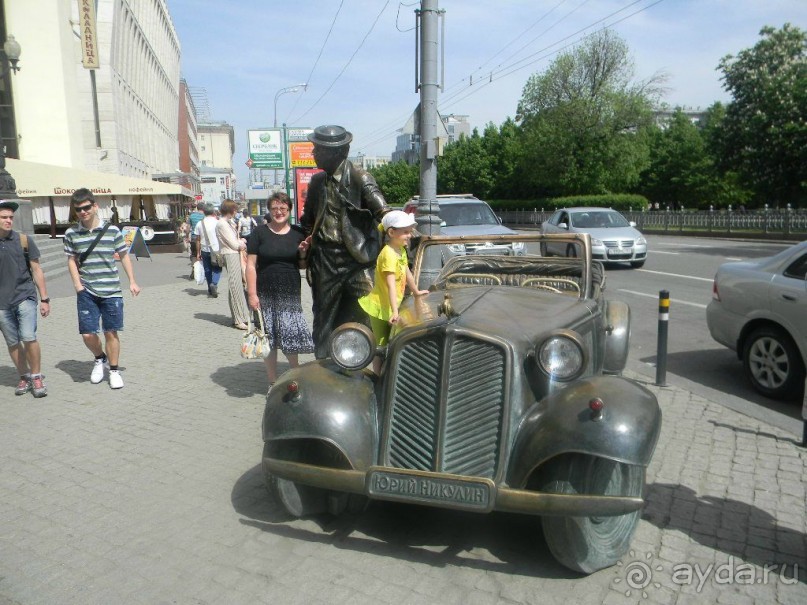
431,489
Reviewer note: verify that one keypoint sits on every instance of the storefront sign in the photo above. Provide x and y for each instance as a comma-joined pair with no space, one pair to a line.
89,36
302,155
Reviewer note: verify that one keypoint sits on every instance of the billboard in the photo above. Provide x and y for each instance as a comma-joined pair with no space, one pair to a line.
301,154
302,177
265,148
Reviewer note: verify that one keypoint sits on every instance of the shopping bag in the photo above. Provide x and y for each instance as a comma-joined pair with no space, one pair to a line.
199,272
255,343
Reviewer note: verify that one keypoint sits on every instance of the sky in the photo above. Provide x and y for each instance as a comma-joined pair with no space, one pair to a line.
358,56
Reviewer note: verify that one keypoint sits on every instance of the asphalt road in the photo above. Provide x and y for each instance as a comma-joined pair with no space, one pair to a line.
685,267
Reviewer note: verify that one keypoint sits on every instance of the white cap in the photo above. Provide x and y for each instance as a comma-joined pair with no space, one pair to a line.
397,219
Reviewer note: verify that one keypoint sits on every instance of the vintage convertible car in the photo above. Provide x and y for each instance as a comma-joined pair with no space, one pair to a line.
500,391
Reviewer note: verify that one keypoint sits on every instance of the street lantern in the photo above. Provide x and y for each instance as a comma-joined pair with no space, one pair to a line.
283,91
11,52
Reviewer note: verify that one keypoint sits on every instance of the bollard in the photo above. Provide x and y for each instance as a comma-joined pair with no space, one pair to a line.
661,349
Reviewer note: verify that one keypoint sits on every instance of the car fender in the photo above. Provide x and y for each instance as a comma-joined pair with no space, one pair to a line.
626,431
329,405
617,337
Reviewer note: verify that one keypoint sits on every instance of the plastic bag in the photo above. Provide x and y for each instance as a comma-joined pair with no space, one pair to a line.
255,343
199,272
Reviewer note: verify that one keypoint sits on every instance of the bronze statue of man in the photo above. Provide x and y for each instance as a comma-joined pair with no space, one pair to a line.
342,211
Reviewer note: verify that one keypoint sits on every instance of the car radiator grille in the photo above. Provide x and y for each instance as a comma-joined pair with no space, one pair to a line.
457,431
616,243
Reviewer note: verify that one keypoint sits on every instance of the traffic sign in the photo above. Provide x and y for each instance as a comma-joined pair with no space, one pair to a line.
249,162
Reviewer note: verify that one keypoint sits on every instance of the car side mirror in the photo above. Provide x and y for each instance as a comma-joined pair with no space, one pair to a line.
563,225
442,223
632,223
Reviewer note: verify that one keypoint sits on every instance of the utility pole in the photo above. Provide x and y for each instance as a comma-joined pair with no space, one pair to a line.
427,214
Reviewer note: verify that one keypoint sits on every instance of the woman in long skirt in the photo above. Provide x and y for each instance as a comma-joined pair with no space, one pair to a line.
274,253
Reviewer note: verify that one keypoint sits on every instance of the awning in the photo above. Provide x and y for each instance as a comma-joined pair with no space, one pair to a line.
43,180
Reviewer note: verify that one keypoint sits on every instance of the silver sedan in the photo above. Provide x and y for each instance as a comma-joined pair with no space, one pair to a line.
759,309
613,238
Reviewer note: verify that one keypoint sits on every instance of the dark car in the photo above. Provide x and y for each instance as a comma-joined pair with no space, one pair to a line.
500,390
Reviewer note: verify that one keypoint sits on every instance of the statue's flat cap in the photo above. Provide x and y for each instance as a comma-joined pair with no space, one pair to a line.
330,136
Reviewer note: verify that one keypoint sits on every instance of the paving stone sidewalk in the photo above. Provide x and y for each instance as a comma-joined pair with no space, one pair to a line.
153,494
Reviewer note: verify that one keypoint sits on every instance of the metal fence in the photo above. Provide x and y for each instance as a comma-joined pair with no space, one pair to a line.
788,224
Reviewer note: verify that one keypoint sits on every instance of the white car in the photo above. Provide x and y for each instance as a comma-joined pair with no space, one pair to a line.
613,238
759,309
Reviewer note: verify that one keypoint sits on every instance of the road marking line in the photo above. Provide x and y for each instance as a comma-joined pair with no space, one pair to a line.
709,279
734,258
665,252
675,301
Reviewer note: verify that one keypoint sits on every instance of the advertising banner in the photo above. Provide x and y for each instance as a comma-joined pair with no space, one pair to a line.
302,177
265,148
302,155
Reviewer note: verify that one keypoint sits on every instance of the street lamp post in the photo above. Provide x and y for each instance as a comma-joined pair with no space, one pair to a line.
10,55
282,91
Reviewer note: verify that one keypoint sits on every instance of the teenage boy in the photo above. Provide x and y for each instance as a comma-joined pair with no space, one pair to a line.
90,247
20,279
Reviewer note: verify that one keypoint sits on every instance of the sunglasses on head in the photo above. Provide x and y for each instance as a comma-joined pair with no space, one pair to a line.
85,208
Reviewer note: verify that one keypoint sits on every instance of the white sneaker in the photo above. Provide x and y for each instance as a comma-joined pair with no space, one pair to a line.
115,380
98,371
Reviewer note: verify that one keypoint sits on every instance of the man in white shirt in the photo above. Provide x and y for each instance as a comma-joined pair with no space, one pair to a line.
208,245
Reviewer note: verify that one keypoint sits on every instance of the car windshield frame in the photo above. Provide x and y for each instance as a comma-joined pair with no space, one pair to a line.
598,219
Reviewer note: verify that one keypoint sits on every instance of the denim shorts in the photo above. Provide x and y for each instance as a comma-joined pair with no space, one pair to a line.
92,308
19,323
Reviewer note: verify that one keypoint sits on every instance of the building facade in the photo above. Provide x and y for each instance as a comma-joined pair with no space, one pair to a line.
216,142
119,118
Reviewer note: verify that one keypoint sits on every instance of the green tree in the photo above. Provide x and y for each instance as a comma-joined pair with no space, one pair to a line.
583,121
764,135
681,171
465,167
502,146
399,181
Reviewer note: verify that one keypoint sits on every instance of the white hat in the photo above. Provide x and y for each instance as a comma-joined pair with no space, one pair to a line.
397,219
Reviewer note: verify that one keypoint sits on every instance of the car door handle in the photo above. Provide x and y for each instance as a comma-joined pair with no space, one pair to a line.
789,297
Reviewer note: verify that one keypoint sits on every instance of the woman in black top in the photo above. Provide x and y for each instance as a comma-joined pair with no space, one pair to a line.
273,284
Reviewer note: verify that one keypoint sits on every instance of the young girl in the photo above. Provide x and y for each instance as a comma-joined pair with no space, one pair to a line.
392,275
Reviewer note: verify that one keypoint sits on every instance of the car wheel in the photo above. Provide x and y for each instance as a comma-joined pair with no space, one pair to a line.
773,363
297,500
571,251
637,264
586,544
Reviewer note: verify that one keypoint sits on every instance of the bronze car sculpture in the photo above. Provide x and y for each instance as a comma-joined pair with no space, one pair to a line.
500,391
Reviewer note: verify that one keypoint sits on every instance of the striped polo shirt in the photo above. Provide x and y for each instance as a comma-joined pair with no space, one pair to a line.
99,273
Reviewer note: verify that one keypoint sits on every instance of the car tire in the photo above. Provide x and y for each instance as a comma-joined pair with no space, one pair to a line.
637,264
586,544
773,363
297,500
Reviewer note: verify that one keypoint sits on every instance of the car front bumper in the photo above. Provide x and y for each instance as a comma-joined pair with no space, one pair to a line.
449,491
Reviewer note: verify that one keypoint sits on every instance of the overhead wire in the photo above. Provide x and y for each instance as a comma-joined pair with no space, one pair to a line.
515,67
344,68
316,61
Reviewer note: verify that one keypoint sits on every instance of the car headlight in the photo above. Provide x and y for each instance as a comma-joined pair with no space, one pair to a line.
561,357
457,248
352,346
596,242
641,241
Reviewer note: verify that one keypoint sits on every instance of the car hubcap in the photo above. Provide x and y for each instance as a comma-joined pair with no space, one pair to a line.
768,363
